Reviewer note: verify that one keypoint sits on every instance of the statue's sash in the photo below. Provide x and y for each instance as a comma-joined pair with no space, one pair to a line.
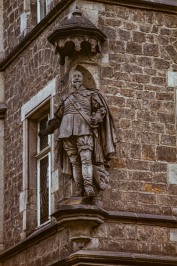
87,119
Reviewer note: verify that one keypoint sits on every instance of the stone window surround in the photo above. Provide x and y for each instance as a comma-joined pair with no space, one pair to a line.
41,154
47,4
2,116
32,10
27,110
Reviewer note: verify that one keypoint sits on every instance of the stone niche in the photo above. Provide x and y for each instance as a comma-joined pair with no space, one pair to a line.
78,41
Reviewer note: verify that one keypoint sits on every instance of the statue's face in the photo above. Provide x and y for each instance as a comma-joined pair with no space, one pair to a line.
77,79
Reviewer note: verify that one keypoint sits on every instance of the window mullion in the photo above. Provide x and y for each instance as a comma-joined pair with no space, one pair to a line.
38,193
38,11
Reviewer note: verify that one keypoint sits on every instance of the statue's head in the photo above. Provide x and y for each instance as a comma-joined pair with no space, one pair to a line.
77,79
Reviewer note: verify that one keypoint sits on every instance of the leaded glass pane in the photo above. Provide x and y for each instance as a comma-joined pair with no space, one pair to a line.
43,139
44,190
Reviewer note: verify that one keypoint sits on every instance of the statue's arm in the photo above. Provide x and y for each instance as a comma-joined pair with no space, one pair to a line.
53,123
98,110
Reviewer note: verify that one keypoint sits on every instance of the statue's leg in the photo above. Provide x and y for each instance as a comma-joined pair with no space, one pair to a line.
77,173
72,152
87,171
85,148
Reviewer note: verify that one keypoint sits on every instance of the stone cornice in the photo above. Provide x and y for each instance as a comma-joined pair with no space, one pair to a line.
89,257
110,216
158,5
31,240
151,219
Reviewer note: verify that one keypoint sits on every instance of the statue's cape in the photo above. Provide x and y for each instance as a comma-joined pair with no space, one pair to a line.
104,144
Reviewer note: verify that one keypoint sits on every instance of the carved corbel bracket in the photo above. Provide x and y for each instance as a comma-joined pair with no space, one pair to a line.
76,35
80,220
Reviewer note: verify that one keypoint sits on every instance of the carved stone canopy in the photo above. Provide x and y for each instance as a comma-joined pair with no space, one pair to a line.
76,35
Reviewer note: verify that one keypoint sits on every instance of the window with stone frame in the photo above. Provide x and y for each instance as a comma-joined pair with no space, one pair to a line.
43,172
39,166
40,180
34,12
42,8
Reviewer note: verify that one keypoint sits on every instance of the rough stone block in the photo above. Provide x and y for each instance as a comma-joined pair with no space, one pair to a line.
150,138
167,154
145,61
141,78
135,151
157,188
125,123
91,11
172,52
165,31
173,234
168,140
147,198
172,79
172,173
174,211
139,37
172,189
151,49
124,35
107,72
117,46
148,152
134,48
164,96
166,118
158,81
161,63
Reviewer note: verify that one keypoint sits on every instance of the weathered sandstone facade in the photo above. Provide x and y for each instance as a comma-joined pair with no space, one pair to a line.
136,72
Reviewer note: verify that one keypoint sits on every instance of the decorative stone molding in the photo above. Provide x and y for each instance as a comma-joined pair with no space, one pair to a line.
100,258
75,35
80,220
110,216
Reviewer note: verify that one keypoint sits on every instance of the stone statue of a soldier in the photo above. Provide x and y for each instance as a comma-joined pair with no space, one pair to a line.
86,136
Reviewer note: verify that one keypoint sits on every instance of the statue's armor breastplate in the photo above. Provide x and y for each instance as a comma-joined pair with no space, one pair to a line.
83,100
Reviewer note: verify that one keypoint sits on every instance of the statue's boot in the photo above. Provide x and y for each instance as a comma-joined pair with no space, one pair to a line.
77,174
87,172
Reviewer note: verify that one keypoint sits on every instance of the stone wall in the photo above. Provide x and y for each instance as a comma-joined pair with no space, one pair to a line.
142,48
136,58
23,79
42,253
138,238
12,33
